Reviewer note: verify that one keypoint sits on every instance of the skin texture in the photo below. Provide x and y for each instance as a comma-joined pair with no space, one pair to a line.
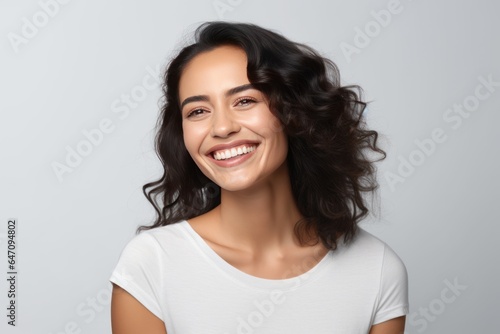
129,316
252,228
392,326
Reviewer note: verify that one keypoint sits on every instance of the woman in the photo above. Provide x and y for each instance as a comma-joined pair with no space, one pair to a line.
265,160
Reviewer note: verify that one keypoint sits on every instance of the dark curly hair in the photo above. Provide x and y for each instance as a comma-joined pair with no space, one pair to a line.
328,143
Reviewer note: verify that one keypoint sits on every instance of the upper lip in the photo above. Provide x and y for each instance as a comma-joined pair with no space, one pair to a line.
231,145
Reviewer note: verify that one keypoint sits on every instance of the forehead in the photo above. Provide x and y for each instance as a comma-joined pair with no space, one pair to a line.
218,69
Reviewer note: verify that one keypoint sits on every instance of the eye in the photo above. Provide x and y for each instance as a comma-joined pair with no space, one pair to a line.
195,112
245,101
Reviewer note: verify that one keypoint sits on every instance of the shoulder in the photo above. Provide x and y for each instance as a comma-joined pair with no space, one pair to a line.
171,232
364,242
155,241
146,255
368,251
388,275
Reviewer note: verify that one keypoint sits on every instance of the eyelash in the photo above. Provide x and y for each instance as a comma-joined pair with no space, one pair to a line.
248,99
251,100
192,112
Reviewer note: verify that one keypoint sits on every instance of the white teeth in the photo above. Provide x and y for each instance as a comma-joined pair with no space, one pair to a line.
233,152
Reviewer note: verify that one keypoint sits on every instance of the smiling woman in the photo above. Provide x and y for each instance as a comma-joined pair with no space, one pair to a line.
265,171
229,115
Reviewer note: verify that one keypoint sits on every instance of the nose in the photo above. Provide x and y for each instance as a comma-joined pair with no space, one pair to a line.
223,123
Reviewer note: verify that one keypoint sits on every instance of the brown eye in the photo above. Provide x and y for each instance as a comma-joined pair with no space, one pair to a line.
245,101
195,112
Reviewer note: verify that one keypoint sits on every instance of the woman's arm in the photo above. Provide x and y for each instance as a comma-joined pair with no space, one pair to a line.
392,326
129,316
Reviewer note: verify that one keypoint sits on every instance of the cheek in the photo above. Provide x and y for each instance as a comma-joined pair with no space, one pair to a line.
270,127
282,145
193,139
264,123
188,140
276,134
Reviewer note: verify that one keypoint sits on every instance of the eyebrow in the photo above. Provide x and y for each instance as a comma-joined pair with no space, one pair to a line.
230,92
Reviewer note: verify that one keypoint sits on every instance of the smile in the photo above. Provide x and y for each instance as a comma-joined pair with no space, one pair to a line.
233,152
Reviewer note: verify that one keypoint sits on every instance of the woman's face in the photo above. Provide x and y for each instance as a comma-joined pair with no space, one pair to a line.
228,128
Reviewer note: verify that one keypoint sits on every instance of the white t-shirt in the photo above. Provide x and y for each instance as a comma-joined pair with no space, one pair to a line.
175,274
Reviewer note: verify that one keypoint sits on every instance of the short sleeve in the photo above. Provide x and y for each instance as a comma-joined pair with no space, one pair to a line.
392,300
139,272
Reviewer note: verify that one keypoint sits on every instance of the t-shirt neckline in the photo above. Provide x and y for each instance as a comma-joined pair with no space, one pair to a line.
254,281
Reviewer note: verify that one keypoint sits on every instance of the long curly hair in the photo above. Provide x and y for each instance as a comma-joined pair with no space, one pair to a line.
328,142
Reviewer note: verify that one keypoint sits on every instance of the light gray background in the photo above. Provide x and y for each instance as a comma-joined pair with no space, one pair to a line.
65,79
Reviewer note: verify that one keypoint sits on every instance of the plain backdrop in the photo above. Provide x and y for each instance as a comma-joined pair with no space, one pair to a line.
73,69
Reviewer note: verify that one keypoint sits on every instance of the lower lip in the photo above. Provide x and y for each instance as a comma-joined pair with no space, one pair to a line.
233,161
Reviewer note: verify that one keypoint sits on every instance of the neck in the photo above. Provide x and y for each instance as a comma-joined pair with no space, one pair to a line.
260,218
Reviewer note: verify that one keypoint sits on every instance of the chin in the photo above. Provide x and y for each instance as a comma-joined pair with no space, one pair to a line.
234,183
